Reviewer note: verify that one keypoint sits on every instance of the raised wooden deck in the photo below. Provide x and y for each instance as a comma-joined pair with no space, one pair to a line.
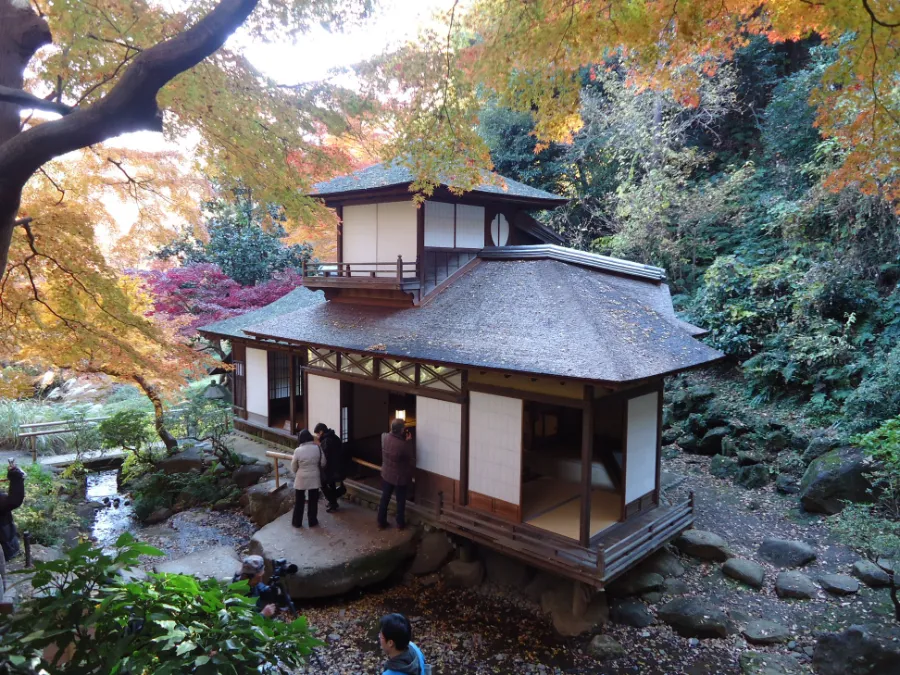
611,553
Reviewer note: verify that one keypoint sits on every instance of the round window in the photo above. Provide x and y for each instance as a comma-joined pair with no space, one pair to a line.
500,230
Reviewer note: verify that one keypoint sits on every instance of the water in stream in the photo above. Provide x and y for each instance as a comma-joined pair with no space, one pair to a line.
117,516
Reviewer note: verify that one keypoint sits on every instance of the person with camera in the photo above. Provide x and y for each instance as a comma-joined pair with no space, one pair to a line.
403,656
398,464
252,569
9,502
333,473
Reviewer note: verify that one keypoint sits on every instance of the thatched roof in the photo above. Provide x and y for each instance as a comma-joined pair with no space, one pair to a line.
234,327
394,174
542,316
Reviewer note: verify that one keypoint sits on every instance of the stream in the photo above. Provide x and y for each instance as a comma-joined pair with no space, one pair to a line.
118,514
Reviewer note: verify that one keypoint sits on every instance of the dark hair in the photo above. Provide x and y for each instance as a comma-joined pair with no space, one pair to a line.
304,436
396,627
397,426
320,427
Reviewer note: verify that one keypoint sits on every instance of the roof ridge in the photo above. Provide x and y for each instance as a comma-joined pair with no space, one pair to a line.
571,255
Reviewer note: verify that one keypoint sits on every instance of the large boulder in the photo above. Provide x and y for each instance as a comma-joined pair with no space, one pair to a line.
766,663
264,503
689,443
250,474
345,552
763,632
753,476
192,459
723,467
220,562
871,574
795,585
711,443
747,571
704,545
635,583
558,602
432,553
631,613
839,584
463,574
836,477
692,617
786,552
818,446
663,562
859,650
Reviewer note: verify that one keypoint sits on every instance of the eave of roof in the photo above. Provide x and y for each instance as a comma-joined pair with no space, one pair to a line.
541,317
570,255
233,327
391,175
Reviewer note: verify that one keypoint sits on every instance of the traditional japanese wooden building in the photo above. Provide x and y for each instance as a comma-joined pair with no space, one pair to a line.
532,373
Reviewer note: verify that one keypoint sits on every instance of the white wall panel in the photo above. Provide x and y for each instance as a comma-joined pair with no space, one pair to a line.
360,234
640,446
257,382
439,224
469,226
397,233
438,436
324,400
495,446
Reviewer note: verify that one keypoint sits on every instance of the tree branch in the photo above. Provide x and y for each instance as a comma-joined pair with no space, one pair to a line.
23,99
129,106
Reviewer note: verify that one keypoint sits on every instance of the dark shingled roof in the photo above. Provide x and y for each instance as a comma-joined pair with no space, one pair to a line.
534,316
234,327
394,173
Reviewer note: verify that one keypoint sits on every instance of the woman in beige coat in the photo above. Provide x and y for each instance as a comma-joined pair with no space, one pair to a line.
307,464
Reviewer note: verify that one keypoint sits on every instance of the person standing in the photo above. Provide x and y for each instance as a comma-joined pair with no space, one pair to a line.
307,465
9,501
398,464
332,448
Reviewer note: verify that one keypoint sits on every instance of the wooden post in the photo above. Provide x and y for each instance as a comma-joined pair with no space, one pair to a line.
464,444
26,541
399,268
587,456
34,449
302,268
293,392
277,474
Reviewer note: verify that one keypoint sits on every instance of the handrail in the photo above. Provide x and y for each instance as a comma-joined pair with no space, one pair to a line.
373,270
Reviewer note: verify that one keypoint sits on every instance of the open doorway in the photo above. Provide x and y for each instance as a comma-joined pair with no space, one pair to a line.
551,472
368,413
279,380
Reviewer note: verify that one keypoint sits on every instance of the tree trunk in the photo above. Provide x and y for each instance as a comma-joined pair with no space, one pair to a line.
22,33
129,106
159,421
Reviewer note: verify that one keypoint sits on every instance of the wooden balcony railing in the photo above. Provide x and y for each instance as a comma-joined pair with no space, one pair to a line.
398,271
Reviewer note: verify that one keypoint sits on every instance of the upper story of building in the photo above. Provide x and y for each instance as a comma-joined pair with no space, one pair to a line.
392,251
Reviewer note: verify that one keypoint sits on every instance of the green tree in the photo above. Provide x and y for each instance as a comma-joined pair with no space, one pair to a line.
245,238
85,617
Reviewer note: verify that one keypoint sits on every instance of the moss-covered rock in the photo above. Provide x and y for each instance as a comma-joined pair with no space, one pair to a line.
834,478
752,477
723,467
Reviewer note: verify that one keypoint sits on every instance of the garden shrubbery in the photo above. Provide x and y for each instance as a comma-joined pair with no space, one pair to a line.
47,514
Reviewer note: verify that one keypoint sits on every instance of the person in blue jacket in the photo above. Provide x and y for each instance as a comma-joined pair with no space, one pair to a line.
403,656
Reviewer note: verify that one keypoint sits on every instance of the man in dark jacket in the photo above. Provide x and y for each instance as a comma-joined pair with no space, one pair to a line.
333,473
9,501
398,464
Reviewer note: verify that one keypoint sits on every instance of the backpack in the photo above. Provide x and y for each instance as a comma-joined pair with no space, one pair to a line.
423,668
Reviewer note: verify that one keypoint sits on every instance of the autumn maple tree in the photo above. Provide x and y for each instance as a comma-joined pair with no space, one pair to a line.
528,56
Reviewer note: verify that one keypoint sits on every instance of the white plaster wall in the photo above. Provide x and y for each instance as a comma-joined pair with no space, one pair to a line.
324,396
257,382
640,446
360,234
469,226
495,446
439,224
438,436
397,234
